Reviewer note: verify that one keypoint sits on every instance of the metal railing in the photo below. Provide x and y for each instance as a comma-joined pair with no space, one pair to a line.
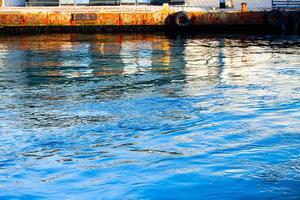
279,4
286,3
104,2
101,2
117,2
42,3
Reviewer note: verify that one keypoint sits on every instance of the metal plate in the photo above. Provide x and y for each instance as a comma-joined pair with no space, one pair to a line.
84,16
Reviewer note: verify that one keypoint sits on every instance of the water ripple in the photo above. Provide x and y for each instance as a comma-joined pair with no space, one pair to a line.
131,116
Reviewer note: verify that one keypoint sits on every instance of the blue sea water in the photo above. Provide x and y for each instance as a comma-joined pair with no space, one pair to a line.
149,116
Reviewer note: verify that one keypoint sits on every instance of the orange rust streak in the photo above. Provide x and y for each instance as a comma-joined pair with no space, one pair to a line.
128,18
230,18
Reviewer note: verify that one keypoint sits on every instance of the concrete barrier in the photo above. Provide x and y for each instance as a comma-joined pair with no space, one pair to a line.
128,18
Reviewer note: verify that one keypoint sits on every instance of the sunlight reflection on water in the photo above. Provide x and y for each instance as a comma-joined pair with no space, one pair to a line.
149,116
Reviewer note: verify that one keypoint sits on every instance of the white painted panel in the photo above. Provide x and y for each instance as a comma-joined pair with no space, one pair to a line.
78,2
203,3
252,4
128,1
67,2
14,2
144,1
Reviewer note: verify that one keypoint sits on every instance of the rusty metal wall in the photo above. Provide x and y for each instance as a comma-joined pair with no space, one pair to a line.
127,19
252,4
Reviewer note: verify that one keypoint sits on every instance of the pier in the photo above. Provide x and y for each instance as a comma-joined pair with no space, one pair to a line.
142,17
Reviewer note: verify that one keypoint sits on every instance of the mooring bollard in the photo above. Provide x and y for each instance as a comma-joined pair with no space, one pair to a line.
165,8
244,7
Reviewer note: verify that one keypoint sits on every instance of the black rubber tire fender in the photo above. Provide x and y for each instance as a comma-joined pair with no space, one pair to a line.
181,19
275,18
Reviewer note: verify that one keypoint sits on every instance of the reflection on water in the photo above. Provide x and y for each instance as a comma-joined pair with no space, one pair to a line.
149,116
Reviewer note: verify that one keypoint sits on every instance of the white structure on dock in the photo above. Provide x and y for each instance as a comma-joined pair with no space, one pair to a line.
252,4
13,2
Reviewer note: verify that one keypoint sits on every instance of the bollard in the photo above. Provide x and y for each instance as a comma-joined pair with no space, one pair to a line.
244,7
165,8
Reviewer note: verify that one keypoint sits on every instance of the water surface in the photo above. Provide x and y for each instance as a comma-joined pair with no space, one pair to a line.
119,116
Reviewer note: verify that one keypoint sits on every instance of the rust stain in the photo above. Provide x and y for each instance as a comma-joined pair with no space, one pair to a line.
11,20
128,18
108,19
62,19
228,18
84,16
35,19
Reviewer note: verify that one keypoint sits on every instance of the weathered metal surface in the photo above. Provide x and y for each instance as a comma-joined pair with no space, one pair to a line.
108,19
227,18
44,19
8,19
84,16
125,19
35,19
59,19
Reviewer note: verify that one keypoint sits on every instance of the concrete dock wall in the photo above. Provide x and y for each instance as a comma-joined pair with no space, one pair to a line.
140,18
122,18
